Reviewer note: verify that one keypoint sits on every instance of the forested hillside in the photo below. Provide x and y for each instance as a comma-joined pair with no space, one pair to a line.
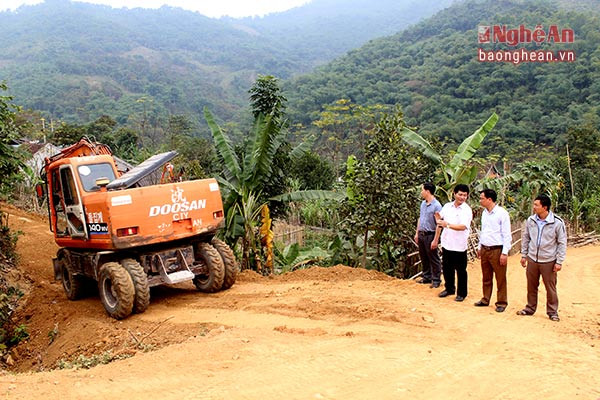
432,71
325,28
76,61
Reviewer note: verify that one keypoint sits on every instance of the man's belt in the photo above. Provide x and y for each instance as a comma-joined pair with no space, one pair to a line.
426,233
484,247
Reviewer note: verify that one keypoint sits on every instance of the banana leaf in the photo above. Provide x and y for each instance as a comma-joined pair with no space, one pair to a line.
300,150
470,145
223,146
259,157
414,139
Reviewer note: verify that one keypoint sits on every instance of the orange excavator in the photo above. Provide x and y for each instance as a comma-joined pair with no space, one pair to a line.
128,235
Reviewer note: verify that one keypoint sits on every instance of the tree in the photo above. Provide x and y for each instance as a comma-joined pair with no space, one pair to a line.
198,157
313,172
67,134
343,125
583,148
180,126
101,127
383,190
266,98
10,160
126,144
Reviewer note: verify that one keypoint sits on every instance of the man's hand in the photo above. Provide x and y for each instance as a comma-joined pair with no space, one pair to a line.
503,259
557,267
416,238
523,262
434,244
478,253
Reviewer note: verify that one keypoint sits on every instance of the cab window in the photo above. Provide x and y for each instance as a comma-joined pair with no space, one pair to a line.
90,172
69,189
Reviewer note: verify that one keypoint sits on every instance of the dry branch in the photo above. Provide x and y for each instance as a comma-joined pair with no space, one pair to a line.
583,239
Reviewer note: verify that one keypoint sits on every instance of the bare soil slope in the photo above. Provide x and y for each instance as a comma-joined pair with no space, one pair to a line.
334,333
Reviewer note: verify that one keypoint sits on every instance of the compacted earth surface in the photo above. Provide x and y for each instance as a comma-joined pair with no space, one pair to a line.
319,333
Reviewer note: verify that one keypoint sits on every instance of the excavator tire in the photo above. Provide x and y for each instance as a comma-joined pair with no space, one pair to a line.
73,284
231,265
213,280
140,284
116,290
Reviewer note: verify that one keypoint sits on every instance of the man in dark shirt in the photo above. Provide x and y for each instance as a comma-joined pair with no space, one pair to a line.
426,239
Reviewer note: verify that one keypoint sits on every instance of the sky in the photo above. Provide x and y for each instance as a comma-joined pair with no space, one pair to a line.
210,8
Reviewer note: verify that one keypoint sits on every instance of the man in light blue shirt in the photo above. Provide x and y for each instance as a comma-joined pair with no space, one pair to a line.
426,238
495,241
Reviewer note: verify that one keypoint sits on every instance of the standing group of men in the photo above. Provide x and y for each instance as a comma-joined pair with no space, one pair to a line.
543,247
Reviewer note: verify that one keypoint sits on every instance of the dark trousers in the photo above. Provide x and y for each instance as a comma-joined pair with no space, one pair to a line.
490,266
455,262
432,266
549,276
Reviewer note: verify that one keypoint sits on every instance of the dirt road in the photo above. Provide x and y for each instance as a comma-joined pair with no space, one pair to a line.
336,333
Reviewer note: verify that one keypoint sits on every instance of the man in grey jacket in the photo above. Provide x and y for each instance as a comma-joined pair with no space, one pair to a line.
543,250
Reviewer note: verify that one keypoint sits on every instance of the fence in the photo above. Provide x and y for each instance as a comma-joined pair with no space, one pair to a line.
302,234
288,233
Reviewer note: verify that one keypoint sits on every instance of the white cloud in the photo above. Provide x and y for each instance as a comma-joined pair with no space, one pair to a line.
211,8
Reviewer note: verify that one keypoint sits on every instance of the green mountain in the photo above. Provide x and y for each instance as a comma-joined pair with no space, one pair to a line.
433,71
77,61
324,29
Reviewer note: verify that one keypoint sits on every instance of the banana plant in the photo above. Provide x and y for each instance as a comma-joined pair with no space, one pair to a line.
244,177
292,257
457,169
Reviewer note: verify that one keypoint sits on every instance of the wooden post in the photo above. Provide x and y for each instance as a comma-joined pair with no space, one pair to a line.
570,172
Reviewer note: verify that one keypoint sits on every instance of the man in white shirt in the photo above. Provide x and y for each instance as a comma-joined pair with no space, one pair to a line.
495,241
455,218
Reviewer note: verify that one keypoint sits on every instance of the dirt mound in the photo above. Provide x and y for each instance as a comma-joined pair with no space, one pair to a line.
338,273
249,276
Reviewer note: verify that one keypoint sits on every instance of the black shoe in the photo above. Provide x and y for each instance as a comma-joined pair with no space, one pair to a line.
424,281
445,293
481,304
500,308
459,298
435,285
